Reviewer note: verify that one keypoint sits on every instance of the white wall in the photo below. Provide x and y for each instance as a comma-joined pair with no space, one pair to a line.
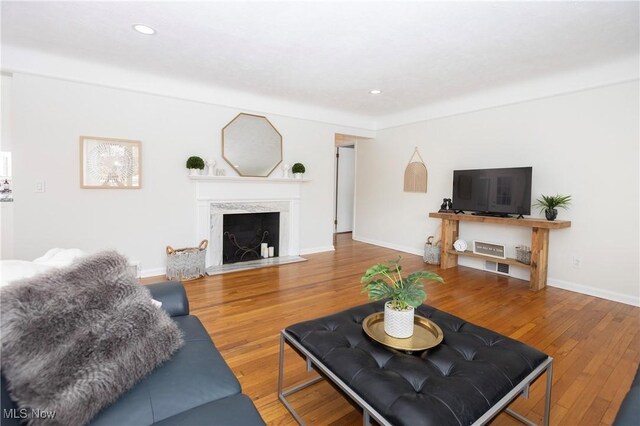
49,115
6,208
584,144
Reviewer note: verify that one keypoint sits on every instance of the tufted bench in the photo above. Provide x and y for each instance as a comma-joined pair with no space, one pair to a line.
469,378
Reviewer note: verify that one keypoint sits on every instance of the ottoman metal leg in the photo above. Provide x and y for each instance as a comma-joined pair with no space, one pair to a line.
368,412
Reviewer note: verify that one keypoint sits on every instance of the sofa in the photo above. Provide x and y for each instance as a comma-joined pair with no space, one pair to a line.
629,413
195,387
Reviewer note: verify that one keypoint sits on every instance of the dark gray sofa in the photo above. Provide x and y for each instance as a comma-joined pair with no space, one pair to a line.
195,387
629,413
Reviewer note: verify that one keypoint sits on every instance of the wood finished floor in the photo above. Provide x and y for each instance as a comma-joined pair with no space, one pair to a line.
595,343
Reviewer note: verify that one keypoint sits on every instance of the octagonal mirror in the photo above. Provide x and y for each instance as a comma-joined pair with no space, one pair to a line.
251,145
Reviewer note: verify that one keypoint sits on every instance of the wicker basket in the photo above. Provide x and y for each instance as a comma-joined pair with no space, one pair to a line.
187,263
523,254
432,252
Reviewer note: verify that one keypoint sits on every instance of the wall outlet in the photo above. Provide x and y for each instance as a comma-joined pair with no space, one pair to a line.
576,261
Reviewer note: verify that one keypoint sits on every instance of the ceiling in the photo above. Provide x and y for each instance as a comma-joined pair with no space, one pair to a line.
330,54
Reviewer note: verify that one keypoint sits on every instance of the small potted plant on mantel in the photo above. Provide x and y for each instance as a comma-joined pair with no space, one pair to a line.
195,164
384,281
550,203
298,170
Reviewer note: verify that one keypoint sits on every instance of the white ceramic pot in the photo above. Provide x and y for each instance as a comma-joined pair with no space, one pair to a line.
194,172
298,175
398,324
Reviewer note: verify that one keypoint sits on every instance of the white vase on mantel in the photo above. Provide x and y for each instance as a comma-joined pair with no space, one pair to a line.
398,324
298,175
194,172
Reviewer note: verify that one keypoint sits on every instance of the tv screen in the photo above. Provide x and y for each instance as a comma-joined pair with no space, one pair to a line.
493,191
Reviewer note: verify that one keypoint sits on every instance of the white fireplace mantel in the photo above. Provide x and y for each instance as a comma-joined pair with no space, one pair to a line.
217,195
247,179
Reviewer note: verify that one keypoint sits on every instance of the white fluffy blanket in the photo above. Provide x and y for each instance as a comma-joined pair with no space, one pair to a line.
11,270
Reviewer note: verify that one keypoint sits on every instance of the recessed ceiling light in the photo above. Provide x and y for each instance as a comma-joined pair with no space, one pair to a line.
144,29
375,91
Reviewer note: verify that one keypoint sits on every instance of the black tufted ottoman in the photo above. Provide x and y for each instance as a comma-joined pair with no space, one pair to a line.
469,378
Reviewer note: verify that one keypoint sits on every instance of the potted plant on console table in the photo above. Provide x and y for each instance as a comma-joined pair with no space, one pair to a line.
384,281
550,203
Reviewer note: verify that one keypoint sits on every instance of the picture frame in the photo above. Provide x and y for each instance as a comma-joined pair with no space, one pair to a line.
490,249
109,163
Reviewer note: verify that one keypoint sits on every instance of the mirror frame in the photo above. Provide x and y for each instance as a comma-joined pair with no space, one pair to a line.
231,163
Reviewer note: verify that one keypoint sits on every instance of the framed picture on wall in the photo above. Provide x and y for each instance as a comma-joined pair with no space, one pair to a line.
107,163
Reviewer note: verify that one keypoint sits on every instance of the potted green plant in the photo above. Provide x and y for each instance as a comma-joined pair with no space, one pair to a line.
298,170
384,281
550,203
195,164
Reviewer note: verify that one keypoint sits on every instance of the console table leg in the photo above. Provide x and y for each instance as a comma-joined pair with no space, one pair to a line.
449,236
539,258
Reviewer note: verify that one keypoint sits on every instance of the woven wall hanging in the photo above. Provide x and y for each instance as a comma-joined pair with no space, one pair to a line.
415,175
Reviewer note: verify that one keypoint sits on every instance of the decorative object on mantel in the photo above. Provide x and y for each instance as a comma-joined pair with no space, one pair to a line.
211,164
415,175
285,170
108,163
384,281
446,206
432,251
298,170
187,263
550,203
195,164
251,145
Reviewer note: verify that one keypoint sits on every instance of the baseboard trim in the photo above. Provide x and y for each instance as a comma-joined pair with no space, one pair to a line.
317,250
593,291
385,244
551,282
146,273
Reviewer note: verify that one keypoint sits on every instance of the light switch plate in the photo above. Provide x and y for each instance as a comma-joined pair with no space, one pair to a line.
41,186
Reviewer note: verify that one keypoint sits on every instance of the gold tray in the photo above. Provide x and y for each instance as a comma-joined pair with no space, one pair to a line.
426,334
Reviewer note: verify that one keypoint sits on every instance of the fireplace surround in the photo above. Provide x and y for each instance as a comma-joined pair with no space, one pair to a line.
217,196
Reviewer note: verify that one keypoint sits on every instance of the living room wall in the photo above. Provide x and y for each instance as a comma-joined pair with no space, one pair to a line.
50,114
583,143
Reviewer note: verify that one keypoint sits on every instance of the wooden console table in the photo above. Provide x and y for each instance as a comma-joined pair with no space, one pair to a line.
539,242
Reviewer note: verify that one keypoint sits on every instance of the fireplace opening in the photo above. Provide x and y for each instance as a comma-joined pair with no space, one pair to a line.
243,235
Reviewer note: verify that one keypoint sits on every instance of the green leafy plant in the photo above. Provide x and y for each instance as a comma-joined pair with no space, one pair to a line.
298,168
195,163
384,281
550,202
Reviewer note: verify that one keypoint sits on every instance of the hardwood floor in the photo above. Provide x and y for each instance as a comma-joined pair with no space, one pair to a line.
595,343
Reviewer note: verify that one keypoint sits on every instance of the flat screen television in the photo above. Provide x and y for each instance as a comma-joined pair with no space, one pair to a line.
495,192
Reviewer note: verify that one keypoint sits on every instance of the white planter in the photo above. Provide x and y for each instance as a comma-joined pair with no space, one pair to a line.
298,175
398,324
194,172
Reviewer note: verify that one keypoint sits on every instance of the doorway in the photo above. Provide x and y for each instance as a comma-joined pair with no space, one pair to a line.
345,188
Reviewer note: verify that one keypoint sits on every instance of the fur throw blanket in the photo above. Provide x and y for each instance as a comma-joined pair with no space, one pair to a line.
74,339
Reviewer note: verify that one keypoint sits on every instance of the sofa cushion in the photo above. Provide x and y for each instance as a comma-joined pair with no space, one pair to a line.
195,375
236,410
